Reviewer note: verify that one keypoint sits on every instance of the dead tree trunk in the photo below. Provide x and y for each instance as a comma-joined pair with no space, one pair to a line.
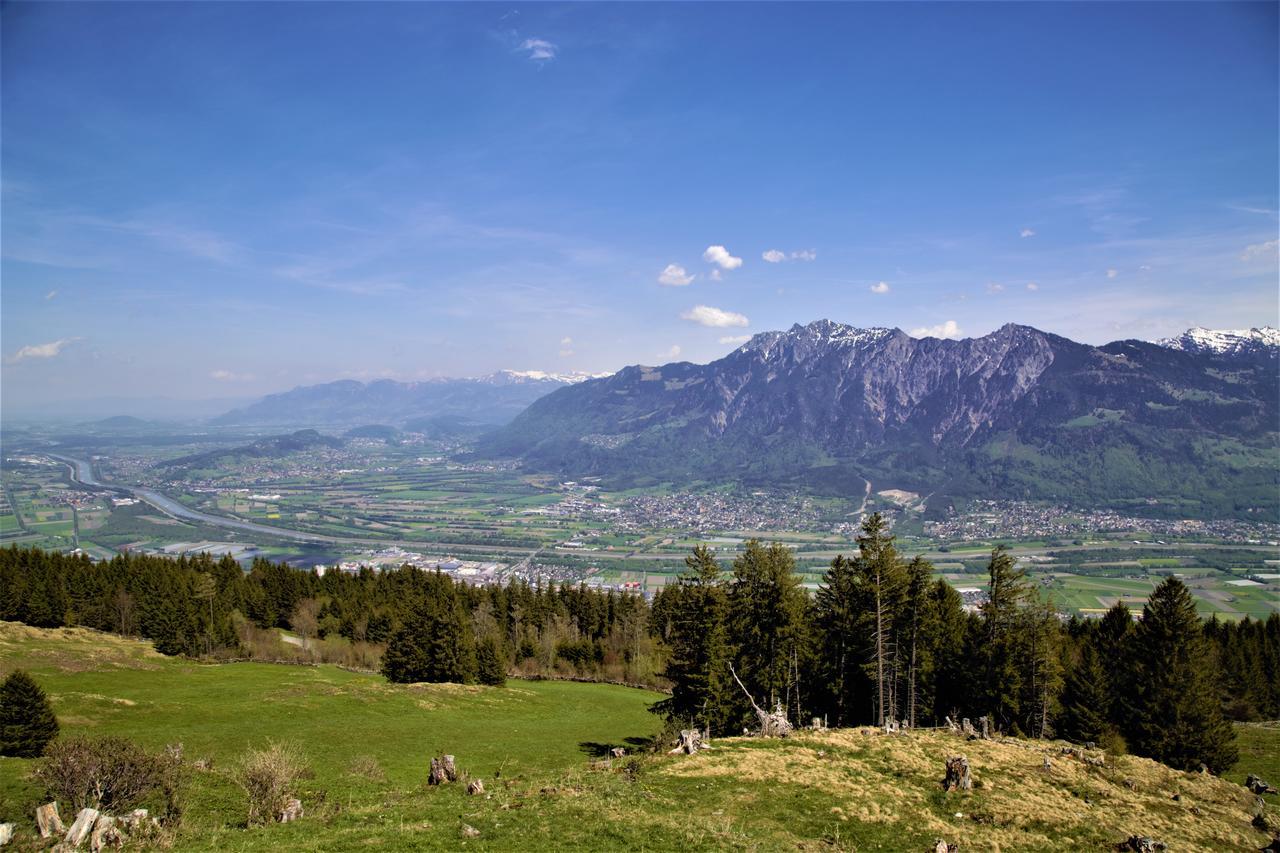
48,821
957,778
442,770
771,725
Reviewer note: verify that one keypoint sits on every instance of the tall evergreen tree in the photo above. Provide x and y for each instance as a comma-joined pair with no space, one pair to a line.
883,578
838,614
27,722
698,657
1084,700
1000,691
491,665
1176,716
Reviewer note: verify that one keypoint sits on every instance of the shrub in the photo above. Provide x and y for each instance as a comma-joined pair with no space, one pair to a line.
268,776
367,767
111,774
27,722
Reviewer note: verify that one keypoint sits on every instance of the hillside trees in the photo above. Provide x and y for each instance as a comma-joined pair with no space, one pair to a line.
434,643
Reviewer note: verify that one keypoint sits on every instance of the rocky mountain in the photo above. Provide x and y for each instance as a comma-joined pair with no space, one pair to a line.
1018,412
489,400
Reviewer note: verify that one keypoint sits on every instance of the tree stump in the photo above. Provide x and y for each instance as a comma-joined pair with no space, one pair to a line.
957,778
475,788
292,811
442,770
6,833
1258,786
105,834
618,752
943,847
81,827
966,728
891,727
952,725
689,742
986,727
1141,844
48,821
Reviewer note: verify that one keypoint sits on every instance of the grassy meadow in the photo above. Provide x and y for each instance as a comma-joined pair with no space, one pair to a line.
535,746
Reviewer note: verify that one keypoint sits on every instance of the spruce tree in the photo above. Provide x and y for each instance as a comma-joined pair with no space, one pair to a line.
839,620
27,722
1084,700
1176,715
697,663
1003,678
491,665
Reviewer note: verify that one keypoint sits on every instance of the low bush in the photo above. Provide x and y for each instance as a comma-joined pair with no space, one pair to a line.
269,777
113,774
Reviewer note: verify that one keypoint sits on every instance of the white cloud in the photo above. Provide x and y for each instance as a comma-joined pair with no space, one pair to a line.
1031,285
994,287
675,276
880,287
566,341
1258,250
540,50
50,295
1112,273
566,347
716,275
773,256
949,329
805,255
705,315
229,376
720,256
674,352
735,339
1026,232
776,256
49,350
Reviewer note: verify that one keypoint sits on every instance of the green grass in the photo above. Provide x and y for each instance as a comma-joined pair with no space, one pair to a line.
1259,745
532,731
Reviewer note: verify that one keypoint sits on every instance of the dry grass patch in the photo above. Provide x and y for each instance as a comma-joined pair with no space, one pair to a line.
1017,804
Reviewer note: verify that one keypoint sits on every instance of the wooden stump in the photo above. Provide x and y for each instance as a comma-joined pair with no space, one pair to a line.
967,729
475,788
986,727
292,811
442,770
48,821
689,742
957,778
81,827
105,834
942,846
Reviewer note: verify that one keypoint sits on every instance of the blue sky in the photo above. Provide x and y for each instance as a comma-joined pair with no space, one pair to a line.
207,200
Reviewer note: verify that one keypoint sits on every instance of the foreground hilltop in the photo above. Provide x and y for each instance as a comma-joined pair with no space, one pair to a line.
1018,412
539,749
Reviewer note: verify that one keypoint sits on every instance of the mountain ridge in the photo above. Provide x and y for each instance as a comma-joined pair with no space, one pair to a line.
1017,410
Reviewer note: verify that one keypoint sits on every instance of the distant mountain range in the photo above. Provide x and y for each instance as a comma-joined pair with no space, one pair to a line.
487,401
1185,427
273,447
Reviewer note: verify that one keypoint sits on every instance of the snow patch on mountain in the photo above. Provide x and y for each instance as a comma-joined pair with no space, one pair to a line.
1225,341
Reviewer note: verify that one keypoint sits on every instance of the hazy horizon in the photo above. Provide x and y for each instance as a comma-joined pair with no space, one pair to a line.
220,201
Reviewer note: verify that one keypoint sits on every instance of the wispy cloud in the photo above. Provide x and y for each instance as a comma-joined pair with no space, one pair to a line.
1026,232
50,295
539,50
716,318
675,276
774,256
804,255
949,329
222,375
720,256
994,287
880,287
777,256
1260,250
674,352
1112,273
49,350
1031,285
735,339
566,347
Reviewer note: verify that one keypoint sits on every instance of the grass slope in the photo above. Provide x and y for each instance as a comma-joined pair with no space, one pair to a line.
853,789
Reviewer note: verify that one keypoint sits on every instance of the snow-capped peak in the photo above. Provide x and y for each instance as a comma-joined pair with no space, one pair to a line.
520,377
819,333
1225,341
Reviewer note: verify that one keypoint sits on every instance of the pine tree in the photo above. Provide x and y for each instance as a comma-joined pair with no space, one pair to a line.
27,722
491,665
1003,678
766,627
839,618
698,656
1084,700
882,577
1176,714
